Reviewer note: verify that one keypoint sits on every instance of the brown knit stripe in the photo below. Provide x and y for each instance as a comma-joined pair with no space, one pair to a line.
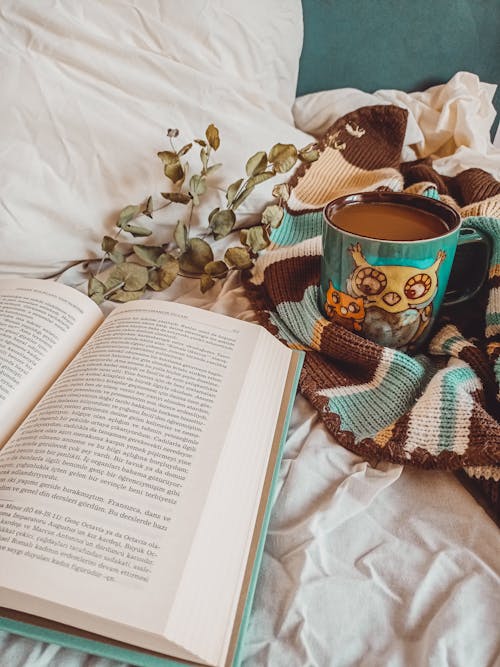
381,143
484,448
474,185
421,170
288,279
479,363
357,356
324,373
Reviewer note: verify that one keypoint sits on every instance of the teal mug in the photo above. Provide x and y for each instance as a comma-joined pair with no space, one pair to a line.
386,266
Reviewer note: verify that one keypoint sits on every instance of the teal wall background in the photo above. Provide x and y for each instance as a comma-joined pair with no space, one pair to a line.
372,44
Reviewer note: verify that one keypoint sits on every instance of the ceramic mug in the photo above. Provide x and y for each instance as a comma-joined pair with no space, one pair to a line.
386,264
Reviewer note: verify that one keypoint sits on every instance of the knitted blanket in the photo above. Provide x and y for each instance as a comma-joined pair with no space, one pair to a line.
437,409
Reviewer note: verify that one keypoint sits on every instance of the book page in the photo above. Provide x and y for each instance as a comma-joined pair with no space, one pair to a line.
42,326
102,487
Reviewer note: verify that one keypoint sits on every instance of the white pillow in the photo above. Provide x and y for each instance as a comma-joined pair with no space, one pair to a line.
89,90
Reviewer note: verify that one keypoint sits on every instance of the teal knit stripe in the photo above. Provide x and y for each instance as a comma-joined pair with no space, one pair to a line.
368,408
492,319
296,319
431,192
447,345
297,228
284,332
456,404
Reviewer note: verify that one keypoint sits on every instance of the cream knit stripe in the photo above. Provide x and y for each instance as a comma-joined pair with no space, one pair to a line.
487,208
440,419
331,176
308,248
484,472
449,341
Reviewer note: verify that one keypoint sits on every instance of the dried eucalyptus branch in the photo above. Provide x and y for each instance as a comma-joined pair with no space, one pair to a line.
140,267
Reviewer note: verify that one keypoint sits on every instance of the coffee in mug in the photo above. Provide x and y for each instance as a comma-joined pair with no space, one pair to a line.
389,221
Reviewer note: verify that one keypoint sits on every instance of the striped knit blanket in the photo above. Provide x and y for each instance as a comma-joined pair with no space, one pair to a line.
438,409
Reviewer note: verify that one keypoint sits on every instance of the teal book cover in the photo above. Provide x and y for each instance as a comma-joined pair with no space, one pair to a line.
141,658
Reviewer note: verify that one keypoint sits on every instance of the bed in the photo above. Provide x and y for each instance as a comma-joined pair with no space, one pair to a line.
389,565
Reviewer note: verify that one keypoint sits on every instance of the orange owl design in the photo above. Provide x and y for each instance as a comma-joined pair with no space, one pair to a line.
344,309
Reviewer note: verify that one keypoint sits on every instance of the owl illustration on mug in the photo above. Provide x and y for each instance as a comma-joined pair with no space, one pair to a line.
397,298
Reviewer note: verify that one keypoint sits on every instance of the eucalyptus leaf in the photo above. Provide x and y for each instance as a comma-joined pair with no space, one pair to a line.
177,197
171,165
97,298
181,235
112,283
148,209
168,157
256,238
260,178
281,191
154,280
136,230
168,271
133,275
283,157
212,213
204,159
217,269
222,223
148,254
174,172
202,142
127,214
96,288
233,190
197,186
309,155
246,192
256,164
212,135
116,257
108,244
206,282
272,215
197,254
238,257
214,167
123,296
184,150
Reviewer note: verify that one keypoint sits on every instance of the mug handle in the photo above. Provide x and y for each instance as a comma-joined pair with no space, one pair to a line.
472,259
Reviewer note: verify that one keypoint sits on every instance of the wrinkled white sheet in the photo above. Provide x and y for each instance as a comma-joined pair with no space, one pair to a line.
368,567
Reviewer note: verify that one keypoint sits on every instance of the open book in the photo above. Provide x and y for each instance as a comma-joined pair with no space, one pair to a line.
137,455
